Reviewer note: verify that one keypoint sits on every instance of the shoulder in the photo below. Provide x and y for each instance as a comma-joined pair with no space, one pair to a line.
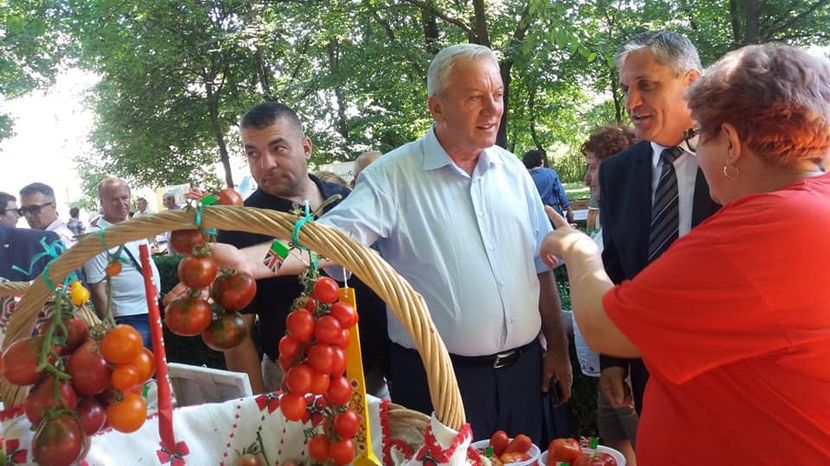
637,151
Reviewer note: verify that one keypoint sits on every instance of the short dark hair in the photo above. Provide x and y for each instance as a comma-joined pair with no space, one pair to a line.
74,212
42,188
5,198
266,114
533,158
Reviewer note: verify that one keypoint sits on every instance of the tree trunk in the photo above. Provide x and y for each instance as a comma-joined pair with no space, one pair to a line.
613,80
479,28
262,74
531,108
213,106
752,13
430,27
334,67
735,21
504,67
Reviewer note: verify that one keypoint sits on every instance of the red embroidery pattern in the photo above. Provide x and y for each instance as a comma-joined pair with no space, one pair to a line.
270,401
432,450
11,413
176,457
14,454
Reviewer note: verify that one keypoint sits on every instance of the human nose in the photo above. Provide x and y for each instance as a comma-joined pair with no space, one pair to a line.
492,104
632,99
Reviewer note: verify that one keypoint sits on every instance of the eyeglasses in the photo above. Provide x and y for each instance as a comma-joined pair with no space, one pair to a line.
3,211
33,209
691,137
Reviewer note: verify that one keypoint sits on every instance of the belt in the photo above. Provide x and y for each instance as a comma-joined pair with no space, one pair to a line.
496,361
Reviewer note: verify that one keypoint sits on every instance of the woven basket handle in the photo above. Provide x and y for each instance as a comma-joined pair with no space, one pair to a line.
407,305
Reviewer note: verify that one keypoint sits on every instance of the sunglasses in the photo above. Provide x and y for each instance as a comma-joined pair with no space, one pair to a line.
33,209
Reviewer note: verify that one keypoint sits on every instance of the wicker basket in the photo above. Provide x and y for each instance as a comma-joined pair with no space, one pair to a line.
407,305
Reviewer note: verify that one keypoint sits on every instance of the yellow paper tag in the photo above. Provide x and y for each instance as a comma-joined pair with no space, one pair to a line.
354,373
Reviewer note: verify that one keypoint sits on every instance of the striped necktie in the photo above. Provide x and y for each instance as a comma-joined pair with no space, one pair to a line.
665,218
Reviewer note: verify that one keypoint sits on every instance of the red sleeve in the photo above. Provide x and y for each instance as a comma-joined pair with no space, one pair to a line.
693,310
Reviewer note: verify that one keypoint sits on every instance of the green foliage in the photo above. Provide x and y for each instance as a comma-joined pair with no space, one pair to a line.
176,75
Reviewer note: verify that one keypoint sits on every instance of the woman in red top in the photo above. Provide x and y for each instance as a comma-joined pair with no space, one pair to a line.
733,320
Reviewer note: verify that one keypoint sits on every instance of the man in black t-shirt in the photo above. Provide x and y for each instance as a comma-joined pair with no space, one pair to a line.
277,152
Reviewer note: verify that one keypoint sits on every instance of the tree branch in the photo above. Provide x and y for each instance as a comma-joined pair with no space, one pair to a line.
795,19
440,14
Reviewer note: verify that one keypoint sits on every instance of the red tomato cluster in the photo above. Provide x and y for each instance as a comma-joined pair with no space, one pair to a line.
568,450
313,354
507,450
89,383
191,315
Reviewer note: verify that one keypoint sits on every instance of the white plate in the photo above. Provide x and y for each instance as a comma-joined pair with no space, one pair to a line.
534,453
543,458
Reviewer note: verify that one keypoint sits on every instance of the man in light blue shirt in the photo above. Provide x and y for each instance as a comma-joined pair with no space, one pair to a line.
461,220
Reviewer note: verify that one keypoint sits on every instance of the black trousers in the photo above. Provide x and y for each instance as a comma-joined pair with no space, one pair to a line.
508,398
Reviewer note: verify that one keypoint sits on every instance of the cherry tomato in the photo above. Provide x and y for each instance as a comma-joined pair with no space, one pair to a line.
346,424
146,364
345,339
344,313
229,196
76,333
327,330
42,397
310,304
318,448
20,361
342,451
520,444
300,325
298,379
293,406
225,332
289,347
183,241
340,391
235,291
78,295
113,268
122,344
58,441
319,383
125,376
250,459
197,271
564,449
92,414
188,316
285,362
597,459
499,441
89,370
338,361
128,414
325,290
321,358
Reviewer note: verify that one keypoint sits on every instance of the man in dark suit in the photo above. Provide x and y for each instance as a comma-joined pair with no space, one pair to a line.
18,247
653,192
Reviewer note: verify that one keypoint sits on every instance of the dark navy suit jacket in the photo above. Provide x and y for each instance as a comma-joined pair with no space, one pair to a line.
625,206
17,247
